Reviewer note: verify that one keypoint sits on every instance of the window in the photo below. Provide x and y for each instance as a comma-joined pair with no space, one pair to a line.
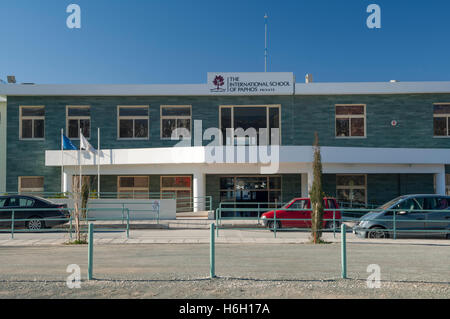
20,202
350,120
78,117
31,184
32,122
180,187
447,183
351,189
246,117
133,122
175,117
441,120
133,186
300,204
408,204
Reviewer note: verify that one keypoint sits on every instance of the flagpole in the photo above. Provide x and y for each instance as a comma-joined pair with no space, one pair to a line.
98,163
62,161
79,156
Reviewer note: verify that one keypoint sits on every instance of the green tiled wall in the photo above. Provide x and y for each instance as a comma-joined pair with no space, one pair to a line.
300,116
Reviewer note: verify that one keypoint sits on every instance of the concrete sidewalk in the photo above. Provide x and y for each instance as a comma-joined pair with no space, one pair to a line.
198,236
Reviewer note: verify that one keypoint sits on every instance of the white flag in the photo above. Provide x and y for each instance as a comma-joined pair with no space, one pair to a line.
85,145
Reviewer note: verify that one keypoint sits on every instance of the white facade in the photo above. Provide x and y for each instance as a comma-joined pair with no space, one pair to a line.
3,127
292,160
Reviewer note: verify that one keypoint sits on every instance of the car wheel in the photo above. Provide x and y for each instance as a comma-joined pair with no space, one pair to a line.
330,224
377,233
35,223
270,225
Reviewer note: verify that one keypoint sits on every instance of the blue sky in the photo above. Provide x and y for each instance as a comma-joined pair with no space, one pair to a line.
174,41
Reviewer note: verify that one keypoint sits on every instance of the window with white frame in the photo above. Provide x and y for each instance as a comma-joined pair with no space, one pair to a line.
350,120
133,186
248,117
78,117
175,117
133,122
31,184
32,122
351,189
441,119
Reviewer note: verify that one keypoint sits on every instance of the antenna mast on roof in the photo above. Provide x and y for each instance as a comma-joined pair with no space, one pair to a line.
265,49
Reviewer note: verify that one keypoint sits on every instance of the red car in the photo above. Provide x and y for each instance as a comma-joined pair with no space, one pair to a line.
299,208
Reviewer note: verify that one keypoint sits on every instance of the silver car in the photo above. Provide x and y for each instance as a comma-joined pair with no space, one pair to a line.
415,215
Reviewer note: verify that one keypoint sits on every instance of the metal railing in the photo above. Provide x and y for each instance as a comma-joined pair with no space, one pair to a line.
21,224
155,209
191,204
95,195
390,226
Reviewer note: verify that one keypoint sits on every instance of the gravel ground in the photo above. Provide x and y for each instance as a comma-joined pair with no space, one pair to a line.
244,270
223,288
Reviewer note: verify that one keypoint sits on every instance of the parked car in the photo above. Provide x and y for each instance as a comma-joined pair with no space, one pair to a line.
415,215
300,208
33,209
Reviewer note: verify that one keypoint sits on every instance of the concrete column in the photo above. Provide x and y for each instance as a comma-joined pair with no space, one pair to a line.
67,182
440,182
305,185
198,191
307,181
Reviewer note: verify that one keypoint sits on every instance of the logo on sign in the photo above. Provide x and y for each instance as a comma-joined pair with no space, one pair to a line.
218,81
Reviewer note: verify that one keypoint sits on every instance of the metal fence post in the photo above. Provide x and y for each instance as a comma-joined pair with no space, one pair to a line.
212,252
70,227
12,225
395,225
334,224
91,251
343,251
159,209
217,221
128,223
258,212
275,224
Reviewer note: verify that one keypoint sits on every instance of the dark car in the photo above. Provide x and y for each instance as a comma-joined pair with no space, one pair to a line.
38,212
416,215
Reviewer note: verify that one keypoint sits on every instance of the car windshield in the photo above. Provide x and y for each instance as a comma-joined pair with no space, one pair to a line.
289,203
390,203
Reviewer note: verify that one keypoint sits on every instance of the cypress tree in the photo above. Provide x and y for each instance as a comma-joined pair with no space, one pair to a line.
317,194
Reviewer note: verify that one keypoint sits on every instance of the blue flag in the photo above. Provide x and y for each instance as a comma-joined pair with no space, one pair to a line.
67,144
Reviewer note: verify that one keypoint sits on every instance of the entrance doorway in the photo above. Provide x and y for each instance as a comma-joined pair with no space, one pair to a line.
251,193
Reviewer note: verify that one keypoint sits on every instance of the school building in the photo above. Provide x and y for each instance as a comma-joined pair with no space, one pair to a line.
378,140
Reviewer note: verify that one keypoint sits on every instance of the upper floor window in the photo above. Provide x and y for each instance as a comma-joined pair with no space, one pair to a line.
350,120
133,122
175,117
78,118
32,122
248,117
441,114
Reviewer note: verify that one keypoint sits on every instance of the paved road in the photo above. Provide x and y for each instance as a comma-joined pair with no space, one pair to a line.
195,236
